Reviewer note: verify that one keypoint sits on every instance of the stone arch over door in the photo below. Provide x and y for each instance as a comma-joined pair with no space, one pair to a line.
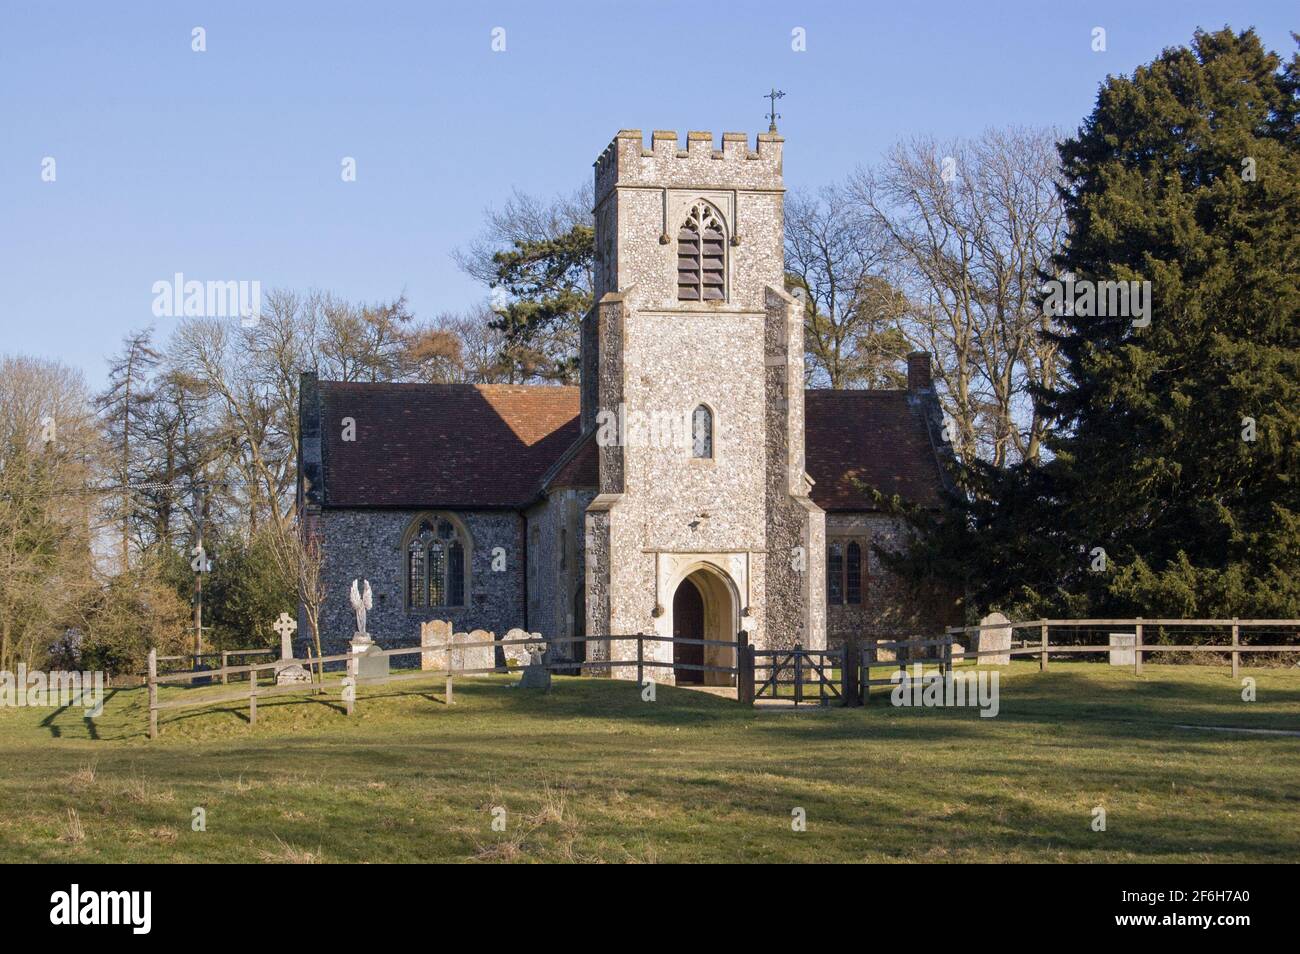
720,610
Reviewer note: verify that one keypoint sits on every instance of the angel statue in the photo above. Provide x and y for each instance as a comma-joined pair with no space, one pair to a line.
361,601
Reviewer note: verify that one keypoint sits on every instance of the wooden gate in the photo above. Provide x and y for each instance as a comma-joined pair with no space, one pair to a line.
798,672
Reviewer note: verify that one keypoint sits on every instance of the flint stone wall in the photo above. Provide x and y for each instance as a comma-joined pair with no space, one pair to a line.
368,543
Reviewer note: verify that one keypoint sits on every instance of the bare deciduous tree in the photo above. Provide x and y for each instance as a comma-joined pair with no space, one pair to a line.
835,257
973,227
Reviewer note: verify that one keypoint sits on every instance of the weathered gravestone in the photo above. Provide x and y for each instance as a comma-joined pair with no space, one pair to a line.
517,655
372,665
1122,648
535,677
436,632
535,674
996,640
469,657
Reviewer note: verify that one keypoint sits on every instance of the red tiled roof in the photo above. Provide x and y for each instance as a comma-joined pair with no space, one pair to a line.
875,437
582,469
443,445
483,446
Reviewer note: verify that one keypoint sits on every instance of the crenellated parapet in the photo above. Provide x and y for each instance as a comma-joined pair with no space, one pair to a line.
627,162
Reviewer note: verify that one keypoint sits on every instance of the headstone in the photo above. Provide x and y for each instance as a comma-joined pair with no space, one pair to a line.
369,665
536,649
436,632
467,657
997,640
286,626
372,665
958,652
535,677
291,673
1127,643
535,674
517,655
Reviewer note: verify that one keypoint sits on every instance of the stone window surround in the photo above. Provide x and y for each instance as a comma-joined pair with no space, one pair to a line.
677,207
712,457
844,538
466,542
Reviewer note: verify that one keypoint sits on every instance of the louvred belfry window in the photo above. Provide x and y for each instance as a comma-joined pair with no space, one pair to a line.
702,256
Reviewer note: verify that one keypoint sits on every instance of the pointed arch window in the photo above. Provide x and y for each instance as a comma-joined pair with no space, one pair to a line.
702,432
435,565
845,579
702,256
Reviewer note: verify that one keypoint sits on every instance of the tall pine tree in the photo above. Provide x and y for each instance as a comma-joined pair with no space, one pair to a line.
1178,447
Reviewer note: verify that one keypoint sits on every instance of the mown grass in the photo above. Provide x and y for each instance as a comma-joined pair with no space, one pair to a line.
589,772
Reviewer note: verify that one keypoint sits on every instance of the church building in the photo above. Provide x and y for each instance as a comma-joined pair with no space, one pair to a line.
690,485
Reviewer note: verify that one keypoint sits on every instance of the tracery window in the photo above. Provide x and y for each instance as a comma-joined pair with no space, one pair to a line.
435,565
702,256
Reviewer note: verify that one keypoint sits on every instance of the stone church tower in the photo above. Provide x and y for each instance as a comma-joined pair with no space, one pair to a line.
690,486
706,525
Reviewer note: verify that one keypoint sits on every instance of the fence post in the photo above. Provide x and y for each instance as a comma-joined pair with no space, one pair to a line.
947,655
252,697
848,675
225,661
640,661
744,669
154,693
1042,655
1137,648
798,673
450,700
864,673
1236,656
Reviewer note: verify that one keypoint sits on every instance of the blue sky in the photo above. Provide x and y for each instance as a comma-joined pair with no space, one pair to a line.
226,164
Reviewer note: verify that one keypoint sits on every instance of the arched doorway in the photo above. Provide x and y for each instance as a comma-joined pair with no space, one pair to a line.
705,606
688,623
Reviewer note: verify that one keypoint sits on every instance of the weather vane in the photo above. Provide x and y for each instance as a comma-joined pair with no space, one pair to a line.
774,95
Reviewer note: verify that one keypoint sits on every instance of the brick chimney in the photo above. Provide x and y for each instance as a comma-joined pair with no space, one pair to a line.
918,371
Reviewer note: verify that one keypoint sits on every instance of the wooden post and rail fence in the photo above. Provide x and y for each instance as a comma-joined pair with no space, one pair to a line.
797,669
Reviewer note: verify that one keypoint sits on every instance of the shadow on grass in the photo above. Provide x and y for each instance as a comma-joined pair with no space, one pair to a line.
1093,707
50,722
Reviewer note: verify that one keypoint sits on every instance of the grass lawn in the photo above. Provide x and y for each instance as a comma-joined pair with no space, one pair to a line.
590,772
